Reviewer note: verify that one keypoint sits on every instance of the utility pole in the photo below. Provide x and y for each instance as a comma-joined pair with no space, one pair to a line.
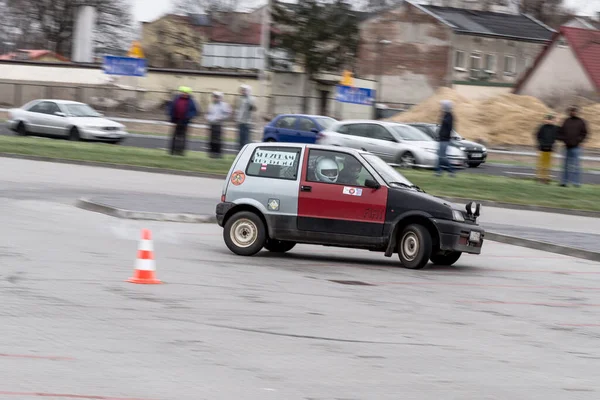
379,46
265,39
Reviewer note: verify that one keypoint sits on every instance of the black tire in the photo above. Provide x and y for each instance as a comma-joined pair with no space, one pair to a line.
474,165
414,246
241,225
405,160
279,246
21,129
74,135
446,258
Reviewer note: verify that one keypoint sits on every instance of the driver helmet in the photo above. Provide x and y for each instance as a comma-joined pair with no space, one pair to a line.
327,170
352,168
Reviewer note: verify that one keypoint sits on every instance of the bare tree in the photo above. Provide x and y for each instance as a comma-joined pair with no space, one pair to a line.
49,23
550,12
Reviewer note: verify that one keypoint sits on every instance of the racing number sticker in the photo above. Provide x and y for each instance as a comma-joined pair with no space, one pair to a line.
373,214
237,178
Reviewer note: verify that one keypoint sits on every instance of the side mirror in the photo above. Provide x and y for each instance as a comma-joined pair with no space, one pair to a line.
60,114
372,184
314,130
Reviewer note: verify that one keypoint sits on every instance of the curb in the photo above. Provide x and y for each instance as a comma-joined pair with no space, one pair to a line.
543,246
89,205
526,207
486,203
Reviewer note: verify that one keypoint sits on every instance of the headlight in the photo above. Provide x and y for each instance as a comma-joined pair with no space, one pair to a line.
462,148
457,215
484,149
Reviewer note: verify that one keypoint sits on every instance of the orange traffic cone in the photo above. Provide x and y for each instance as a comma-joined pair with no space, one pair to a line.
144,265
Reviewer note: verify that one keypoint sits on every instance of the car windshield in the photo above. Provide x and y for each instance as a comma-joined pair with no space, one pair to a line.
391,176
81,110
410,133
325,122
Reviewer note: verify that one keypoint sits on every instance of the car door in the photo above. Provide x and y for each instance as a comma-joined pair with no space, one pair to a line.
54,124
357,136
36,117
341,208
285,129
381,142
307,130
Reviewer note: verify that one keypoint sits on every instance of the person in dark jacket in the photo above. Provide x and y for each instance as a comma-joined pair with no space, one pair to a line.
572,133
545,137
444,134
181,111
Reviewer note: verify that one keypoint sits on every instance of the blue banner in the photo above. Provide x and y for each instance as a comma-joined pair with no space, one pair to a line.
347,94
125,66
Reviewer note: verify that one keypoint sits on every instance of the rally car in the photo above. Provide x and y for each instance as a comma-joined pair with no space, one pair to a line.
277,195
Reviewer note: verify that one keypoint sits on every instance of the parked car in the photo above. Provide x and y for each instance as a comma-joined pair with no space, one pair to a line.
476,153
296,128
397,144
64,118
277,195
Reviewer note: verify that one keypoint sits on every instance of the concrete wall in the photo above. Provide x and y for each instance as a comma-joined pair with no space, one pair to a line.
559,73
415,63
287,92
479,92
523,52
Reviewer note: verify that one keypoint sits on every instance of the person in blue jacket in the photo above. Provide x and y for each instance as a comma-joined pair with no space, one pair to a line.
182,110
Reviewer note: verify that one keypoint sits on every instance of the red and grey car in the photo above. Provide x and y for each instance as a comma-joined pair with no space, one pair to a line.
277,195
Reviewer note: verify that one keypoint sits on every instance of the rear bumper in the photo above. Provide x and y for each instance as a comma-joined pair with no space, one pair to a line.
454,236
222,210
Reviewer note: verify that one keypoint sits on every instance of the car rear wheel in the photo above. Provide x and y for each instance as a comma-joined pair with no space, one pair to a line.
474,165
407,160
21,129
245,233
415,246
446,258
279,246
74,135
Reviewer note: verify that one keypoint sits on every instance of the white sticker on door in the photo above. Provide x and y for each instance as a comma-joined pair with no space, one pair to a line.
352,191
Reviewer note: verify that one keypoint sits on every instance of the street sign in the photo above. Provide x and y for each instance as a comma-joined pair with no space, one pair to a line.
125,66
136,50
354,95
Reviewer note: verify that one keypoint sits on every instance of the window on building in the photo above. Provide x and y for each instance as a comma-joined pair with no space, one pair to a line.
490,62
475,61
232,56
528,63
510,65
459,59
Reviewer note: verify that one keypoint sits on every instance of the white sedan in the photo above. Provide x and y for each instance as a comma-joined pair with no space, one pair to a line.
70,119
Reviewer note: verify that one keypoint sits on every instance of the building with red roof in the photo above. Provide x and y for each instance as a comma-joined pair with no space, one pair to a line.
569,64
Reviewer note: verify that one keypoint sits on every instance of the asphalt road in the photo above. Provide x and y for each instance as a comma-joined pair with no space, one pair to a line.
508,324
157,142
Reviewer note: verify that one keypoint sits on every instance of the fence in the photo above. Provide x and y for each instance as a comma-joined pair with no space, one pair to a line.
115,101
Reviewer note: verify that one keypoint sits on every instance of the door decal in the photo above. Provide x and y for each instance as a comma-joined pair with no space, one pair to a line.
238,177
352,191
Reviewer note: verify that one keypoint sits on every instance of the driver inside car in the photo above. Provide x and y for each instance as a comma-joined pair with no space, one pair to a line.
327,170
349,175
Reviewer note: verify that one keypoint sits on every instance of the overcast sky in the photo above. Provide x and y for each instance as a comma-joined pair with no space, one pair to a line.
148,10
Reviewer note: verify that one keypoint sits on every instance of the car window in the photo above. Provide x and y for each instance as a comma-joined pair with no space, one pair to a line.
326,123
41,108
274,162
380,133
286,123
425,129
336,168
53,108
390,175
306,125
81,110
410,134
361,130
342,128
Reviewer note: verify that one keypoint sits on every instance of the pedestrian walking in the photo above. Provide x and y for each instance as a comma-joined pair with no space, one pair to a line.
218,112
246,107
445,133
182,110
546,136
572,133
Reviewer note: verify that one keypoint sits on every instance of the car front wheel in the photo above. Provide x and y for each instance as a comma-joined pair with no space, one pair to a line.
21,129
407,160
446,258
415,246
74,135
279,246
245,233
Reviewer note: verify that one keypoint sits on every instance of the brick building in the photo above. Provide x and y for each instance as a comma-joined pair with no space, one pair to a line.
417,48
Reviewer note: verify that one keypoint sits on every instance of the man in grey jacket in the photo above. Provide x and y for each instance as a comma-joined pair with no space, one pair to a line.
218,112
246,107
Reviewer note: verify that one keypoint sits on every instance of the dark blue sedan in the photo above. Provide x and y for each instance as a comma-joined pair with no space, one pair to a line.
296,128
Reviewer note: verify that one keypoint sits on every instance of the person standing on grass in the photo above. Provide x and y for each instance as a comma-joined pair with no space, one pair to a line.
572,133
246,107
181,111
445,133
546,136
218,112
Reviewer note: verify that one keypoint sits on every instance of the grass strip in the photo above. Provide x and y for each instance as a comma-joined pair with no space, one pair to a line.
464,185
